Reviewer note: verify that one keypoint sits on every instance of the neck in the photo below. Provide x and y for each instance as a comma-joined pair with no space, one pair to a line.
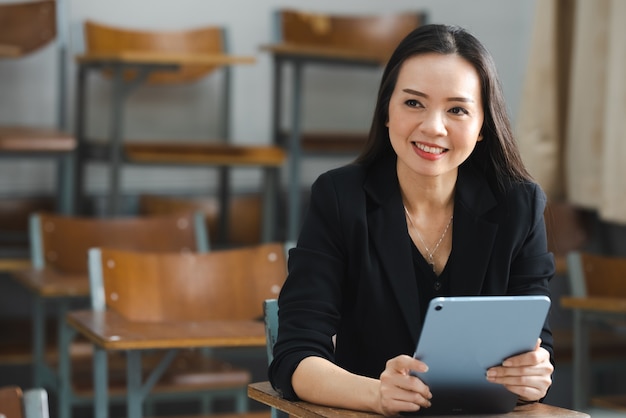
427,194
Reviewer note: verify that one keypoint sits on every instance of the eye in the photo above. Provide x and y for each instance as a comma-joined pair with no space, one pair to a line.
458,111
413,103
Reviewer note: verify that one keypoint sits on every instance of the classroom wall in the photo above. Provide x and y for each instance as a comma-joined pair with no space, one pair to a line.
336,98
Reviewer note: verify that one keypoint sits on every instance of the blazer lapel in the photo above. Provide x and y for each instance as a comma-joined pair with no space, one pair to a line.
473,235
387,226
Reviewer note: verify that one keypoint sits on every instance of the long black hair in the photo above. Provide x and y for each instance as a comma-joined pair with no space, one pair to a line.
497,154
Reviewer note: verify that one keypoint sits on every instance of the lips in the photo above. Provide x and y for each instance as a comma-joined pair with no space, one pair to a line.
429,149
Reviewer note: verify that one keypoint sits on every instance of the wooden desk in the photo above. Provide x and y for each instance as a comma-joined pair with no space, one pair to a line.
47,285
44,143
108,330
222,156
300,56
586,311
264,393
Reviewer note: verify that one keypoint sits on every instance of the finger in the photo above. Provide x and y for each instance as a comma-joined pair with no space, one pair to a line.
530,358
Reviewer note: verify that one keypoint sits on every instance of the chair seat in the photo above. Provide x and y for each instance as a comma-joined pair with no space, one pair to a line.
613,402
203,153
330,142
27,139
190,370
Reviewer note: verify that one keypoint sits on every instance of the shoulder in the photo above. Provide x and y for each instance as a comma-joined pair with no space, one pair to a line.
525,194
342,179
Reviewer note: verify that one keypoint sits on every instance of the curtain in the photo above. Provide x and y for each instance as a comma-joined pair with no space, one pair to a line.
572,122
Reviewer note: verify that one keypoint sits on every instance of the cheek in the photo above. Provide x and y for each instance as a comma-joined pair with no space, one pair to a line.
397,124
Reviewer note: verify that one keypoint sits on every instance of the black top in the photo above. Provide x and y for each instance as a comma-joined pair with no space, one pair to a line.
351,273
429,284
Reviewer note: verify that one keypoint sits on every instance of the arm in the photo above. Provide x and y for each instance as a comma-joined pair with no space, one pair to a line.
319,381
529,375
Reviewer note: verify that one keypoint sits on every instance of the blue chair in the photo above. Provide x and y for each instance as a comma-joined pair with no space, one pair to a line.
15,403
270,314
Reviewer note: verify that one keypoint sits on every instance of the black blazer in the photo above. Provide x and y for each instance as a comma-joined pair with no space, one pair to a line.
351,273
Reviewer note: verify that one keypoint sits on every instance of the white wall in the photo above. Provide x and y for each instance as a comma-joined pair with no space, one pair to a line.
335,98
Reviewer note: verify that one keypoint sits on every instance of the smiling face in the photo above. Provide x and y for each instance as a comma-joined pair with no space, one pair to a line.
435,114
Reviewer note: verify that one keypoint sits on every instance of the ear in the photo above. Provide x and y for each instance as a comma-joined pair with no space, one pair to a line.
480,137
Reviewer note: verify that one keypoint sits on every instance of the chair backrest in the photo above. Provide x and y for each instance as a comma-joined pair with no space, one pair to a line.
27,26
270,316
244,226
106,39
61,242
596,275
222,284
374,35
568,229
32,403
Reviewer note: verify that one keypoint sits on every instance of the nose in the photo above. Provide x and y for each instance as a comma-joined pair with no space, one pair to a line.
433,124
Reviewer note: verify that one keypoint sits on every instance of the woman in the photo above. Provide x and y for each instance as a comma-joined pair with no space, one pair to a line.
437,204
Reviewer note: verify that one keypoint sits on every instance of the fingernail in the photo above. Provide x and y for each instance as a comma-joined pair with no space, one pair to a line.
490,374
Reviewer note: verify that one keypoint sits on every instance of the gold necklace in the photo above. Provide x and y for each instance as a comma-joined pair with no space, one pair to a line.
429,254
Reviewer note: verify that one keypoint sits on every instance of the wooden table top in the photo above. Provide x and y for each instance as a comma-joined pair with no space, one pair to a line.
165,58
596,304
50,284
25,139
264,393
111,331
317,52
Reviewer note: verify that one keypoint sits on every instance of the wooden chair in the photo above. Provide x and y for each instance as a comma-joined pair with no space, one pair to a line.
152,288
568,229
25,28
15,403
317,39
59,276
168,57
244,218
598,300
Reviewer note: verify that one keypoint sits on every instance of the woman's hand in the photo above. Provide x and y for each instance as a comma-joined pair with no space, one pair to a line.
399,390
528,375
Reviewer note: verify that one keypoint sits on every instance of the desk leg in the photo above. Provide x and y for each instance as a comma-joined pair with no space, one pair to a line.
133,379
581,366
100,383
224,199
270,192
65,336
295,155
39,338
115,143
65,184
81,146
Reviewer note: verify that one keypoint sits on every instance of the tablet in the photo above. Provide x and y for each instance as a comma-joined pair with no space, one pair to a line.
462,337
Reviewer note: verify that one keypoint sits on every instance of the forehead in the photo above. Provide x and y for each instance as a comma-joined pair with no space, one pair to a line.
439,70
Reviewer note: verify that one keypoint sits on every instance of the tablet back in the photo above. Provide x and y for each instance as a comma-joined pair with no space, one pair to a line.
464,336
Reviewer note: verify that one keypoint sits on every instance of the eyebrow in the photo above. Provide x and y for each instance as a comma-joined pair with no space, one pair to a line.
450,99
